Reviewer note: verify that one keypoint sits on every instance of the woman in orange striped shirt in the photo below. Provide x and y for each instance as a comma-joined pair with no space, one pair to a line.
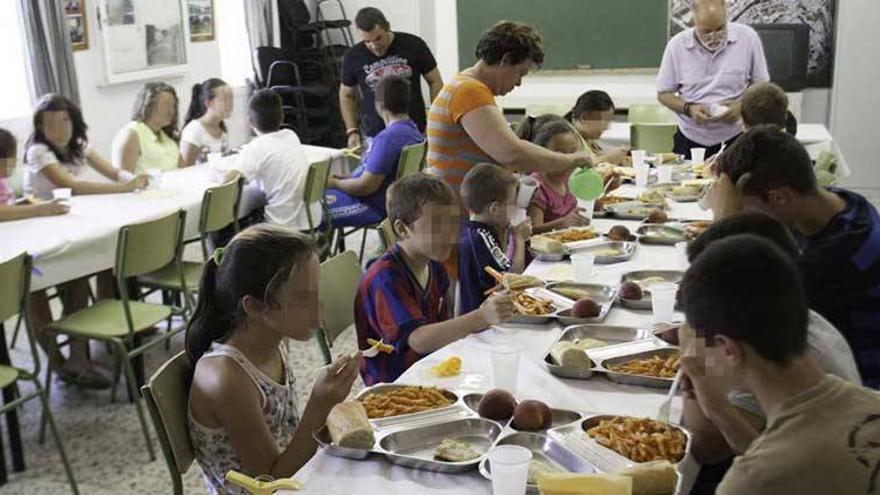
466,127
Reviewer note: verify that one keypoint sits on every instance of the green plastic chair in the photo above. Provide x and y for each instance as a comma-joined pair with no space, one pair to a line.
15,279
337,288
653,138
140,248
386,234
410,162
167,397
315,191
651,113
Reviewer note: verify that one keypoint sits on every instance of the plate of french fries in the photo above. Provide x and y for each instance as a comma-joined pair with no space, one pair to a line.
638,439
531,301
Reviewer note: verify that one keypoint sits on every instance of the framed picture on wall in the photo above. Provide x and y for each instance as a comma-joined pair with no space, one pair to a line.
77,28
201,20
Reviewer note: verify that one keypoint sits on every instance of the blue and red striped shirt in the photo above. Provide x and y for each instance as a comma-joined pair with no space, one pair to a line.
390,305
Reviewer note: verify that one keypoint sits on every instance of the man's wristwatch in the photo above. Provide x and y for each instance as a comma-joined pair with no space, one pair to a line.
687,108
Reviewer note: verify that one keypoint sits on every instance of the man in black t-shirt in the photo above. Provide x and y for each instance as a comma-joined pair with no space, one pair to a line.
383,52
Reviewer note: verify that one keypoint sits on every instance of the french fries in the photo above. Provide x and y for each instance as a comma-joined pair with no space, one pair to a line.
572,235
404,400
532,306
640,439
655,366
516,284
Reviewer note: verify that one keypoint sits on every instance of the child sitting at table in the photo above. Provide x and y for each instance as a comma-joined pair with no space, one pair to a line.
58,152
591,116
243,415
277,162
489,194
553,206
150,140
404,298
360,199
10,209
204,129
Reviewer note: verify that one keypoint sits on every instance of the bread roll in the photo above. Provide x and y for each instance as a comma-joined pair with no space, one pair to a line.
349,426
570,355
546,245
652,478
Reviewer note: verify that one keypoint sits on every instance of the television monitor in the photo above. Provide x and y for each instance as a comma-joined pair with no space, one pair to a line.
786,47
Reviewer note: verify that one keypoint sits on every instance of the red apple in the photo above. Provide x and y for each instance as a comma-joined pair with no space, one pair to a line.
497,404
532,415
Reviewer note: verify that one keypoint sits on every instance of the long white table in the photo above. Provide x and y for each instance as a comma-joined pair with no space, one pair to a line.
327,474
808,134
83,241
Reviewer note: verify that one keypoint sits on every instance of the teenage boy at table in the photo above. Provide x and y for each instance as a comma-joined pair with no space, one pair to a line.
765,103
277,163
359,200
747,316
837,231
827,346
10,208
403,299
489,194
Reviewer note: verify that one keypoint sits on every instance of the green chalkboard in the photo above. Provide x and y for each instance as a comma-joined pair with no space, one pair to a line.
598,34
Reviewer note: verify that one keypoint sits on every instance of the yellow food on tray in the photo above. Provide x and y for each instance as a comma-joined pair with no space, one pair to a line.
448,367
655,366
640,439
532,306
572,235
404,400
381,346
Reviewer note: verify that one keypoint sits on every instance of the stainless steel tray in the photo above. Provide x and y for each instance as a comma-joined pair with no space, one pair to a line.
408,420
622,251
603,295
545,449
642,380
547,256
621,341
322,436
634,210
560,303
660,234
575,438
415,448
638,276
561,417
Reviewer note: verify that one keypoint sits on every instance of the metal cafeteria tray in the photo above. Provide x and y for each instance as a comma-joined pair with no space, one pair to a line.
609,252
544,449
547,256
614,336
603,295
560,417
322,436
455,409
415,448
559,303
684,198
642,380
634,210
641,275
576,439
660,234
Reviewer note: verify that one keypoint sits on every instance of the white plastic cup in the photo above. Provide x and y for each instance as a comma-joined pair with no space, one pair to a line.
664,174
587,208
505,365
698,155
681,252
527,187
62,193
582,266
642,171
518,215
214,159
663,301
638,157
155,177
510,469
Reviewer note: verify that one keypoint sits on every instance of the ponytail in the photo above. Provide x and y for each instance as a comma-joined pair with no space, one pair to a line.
256,263
201,94
525,128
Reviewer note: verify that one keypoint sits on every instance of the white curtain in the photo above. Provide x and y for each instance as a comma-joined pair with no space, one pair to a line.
261,20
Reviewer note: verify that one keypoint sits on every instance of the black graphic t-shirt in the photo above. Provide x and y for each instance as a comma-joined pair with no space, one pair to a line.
408,56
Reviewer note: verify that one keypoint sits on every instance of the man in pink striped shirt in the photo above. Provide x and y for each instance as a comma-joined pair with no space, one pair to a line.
703,75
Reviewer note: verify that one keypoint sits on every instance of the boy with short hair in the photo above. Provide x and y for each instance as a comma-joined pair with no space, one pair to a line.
746,310
403,298
765,103
837,231
277,162
489,194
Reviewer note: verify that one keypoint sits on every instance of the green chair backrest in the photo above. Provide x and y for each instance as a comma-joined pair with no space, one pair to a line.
410,160
167,398
337,289
387,234
146,247
653,138
651,113
826,161
220,206
14,282
315,187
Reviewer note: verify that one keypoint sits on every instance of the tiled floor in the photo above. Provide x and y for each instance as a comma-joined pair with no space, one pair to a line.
104,440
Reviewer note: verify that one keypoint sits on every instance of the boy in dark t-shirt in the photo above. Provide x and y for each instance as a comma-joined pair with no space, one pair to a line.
488,192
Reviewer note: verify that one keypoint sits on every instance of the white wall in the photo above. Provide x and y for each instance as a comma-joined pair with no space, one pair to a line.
855,118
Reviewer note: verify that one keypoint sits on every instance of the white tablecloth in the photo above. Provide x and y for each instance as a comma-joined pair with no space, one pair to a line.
327,474
83,241
808,134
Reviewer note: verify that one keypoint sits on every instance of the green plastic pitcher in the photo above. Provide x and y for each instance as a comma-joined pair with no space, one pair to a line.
586,184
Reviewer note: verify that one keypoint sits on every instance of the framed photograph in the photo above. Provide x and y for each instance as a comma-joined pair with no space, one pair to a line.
143,40
77,27
201,20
